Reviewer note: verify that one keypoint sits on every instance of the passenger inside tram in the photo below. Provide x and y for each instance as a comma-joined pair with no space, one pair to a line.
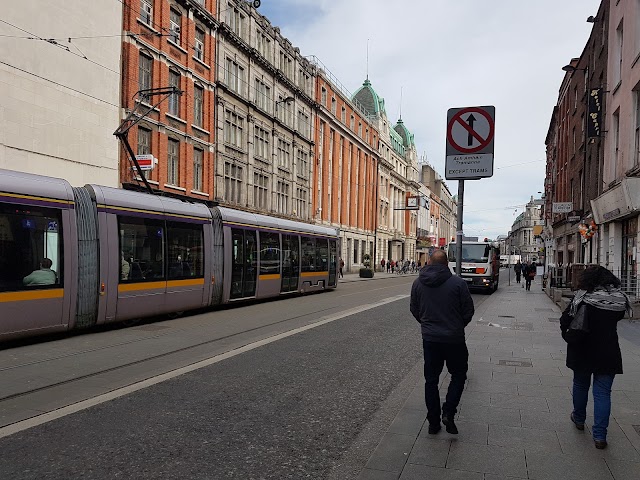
43,276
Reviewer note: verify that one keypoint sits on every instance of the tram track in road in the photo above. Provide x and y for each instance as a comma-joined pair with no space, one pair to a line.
101,380
44,416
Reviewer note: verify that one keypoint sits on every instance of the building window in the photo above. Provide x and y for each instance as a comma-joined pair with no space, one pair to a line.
199,47
234,76
286,64
235,20
198,156
303,80
260,189
263,95
175,21
282,197
144,145
284,111
284,154
145,72
233,129
636,154
323,96
343,115
616,143
174,98
232,182
301,203
617,75
198,105
304,125
352,123
360,129
173,162
263,45
303,164
261,143
334,104
144,141
146,11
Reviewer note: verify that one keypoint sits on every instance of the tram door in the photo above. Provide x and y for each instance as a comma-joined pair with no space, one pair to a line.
244,263
290,263
333,260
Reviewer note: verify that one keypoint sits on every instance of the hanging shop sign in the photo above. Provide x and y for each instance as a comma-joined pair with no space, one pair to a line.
595,112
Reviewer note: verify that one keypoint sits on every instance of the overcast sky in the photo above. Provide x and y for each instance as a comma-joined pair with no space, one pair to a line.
454,53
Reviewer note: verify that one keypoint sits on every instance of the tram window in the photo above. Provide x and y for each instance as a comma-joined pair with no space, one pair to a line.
269,253
184,250
141,250
308,259
30,248
322,255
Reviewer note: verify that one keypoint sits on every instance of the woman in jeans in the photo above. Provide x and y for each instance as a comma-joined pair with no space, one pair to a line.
595,353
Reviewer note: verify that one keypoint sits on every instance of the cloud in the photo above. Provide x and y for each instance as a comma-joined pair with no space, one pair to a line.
445,54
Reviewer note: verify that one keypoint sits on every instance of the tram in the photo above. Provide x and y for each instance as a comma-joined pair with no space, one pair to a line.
76,257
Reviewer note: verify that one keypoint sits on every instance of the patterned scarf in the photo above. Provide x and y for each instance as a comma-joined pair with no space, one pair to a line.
604,298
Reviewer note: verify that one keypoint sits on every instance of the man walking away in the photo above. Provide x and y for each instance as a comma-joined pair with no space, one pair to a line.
443,306
530,275
518,269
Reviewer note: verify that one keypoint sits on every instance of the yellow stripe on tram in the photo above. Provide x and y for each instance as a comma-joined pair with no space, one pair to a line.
26,295
314,274
270,276
131,287
185,283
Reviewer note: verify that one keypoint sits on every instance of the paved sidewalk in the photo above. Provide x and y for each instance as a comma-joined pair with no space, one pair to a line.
514,415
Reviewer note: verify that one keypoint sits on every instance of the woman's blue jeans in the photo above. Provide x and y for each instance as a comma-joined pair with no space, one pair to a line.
601,401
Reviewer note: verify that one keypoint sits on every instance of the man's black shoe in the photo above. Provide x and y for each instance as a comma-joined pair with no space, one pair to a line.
434,428
449,424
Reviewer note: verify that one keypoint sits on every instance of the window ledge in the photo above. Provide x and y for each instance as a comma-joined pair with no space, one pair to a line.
151,182
177,119
155,109
174,44
175,187
201,62
616,88
635,60
200,129
146,25
234,147
197,192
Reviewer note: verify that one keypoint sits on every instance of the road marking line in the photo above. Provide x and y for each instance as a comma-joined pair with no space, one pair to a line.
134,387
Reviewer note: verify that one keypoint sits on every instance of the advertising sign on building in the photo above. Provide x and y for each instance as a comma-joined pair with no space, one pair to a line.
595,112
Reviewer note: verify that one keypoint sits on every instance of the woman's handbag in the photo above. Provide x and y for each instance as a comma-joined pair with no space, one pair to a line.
579,327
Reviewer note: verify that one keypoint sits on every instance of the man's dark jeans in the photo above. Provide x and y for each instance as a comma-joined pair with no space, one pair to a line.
436,354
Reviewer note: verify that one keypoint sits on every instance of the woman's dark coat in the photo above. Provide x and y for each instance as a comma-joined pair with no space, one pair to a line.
598,351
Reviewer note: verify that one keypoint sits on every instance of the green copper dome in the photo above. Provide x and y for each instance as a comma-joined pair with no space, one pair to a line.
407,136
367,97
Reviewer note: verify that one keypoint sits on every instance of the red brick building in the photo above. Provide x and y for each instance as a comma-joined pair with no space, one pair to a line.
575,150
345,170
171,43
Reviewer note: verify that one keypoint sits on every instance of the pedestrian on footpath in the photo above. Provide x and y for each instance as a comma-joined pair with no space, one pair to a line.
518,269
594,351
443,306
382,265
530,275
341,267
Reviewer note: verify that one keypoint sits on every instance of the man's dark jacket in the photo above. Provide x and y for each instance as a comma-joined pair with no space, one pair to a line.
442,304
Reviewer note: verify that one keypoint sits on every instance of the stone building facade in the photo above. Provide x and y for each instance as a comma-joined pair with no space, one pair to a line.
264,117
397,179
61,95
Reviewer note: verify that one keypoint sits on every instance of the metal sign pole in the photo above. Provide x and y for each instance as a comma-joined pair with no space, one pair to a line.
459,228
